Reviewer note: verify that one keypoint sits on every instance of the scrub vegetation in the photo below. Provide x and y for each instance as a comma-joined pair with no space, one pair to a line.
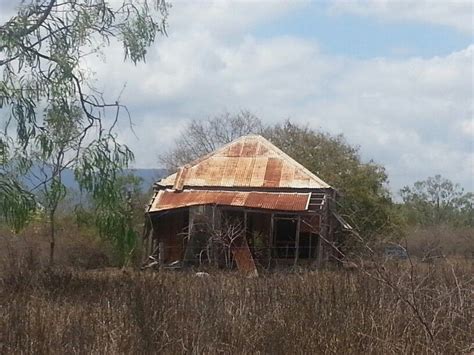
422,308
83,305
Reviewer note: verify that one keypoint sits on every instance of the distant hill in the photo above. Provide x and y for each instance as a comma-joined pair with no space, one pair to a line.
149,176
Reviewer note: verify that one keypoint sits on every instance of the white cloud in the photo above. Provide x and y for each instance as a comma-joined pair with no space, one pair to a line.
415,115
467,127
412,115
453,13
226,18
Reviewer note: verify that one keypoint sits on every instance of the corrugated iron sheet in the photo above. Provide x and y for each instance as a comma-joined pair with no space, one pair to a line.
243,258
250,161
169,199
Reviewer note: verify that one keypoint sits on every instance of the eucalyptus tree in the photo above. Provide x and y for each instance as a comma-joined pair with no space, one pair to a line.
437,200
53,151
49,107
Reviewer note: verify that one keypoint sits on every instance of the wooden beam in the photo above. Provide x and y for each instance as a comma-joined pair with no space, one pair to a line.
319,254
271,237
297,239
161,254
213,247
189,251
146,241
151,236
245,223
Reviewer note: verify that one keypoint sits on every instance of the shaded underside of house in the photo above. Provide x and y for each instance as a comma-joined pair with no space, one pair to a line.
246,203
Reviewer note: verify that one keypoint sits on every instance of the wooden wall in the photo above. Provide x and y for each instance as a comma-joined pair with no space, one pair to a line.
170,228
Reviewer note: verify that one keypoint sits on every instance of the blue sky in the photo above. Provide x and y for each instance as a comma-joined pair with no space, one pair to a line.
362,37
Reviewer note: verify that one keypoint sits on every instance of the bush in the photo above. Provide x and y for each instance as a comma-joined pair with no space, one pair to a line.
75,247
441,240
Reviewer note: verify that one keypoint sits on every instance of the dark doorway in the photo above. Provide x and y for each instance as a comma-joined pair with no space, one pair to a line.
285,236
308,244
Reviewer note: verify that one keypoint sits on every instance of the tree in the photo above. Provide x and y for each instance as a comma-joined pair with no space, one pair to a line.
437,200
57,139
45,89
119,221
366,201
201,137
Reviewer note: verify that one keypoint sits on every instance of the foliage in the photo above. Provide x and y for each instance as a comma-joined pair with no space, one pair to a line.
111,193
201,137
437,200
43,48
17,204
50,110
52,151
365,201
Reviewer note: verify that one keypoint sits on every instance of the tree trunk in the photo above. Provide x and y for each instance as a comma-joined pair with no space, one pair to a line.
52,235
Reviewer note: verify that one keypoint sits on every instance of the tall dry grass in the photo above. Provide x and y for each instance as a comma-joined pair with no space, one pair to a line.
76,246
325,312
441,240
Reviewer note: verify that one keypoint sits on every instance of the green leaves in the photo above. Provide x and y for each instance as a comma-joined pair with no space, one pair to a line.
98,172
365,202
42,49
99,166
137,35
437,200
53,116
3,152
16,204
139,29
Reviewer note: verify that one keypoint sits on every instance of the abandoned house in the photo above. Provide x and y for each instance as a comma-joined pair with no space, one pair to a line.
245,204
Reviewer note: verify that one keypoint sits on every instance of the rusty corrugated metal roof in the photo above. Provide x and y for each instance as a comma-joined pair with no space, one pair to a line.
170,199
250,161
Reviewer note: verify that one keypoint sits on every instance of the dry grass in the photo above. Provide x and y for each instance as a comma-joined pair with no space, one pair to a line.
128,312
75,247
395,309
441,240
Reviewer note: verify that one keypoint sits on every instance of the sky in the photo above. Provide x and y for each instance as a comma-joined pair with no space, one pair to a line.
396,78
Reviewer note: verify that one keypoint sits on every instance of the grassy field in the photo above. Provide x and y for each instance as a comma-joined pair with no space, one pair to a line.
398,309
